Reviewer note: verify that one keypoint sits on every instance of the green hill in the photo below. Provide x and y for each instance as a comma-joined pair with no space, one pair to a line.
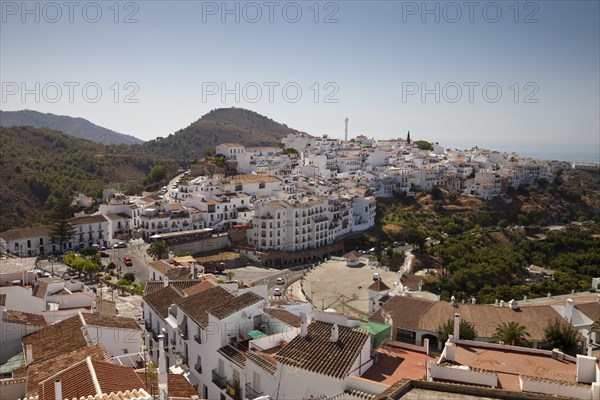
78,127
224,125
37,165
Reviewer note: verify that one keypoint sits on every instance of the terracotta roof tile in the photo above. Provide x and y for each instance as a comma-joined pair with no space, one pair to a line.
56,339
160,300
41,371
236,304
378,286
111,321
590,310
284,316
23,318
17,234
267,363
233,354
199,287
77,381
317,353
181,285
179,386
198,305
87,219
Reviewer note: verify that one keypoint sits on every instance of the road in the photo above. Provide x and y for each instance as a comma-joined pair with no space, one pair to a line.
136,249
171,195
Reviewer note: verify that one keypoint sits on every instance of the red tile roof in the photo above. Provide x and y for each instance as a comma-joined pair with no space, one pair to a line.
79,380
179,386
111,321
284,316
39,372
23,318
197,306
317,353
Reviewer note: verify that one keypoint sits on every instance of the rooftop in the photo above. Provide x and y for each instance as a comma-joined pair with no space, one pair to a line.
397,361
284,316
509,362
197,306
23,318
316,352
18,234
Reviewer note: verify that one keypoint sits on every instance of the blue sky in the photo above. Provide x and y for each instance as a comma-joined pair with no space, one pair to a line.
380,63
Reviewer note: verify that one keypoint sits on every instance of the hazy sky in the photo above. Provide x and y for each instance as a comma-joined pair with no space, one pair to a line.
508,75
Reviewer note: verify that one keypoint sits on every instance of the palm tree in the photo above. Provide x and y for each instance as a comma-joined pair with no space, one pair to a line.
596,326
512,334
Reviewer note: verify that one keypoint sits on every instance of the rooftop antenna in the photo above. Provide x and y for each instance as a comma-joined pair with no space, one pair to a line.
346,136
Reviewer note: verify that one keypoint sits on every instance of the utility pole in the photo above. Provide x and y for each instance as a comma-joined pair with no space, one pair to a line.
346,130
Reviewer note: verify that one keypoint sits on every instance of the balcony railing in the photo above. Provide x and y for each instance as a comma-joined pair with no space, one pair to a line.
251,393
219,379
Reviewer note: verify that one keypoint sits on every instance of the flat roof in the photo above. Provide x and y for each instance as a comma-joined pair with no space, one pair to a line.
395,363
509,363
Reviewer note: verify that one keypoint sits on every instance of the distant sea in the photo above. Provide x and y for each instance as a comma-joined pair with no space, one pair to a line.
585,156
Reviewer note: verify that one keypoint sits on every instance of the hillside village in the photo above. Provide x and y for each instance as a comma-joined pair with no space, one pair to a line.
196,335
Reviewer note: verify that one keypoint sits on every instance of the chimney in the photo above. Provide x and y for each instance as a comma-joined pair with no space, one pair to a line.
335,333
456,326
426,345
549,294
304,327
58,390
193,267
513,305
29,354
501,303
473,300
453,300
450,351
524,297
163,393
496,303
165,281
568,313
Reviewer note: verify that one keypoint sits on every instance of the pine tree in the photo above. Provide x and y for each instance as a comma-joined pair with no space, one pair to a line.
62,231
408,138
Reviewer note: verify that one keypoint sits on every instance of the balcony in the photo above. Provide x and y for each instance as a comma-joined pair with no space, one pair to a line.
198,368
251,393
183,332
198,339
219,379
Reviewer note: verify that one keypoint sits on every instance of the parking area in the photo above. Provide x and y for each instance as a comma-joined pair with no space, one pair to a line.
335,285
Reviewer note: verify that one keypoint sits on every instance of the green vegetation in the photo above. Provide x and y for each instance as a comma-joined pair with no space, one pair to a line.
563,336
512,334
62,232
424,145
466,330
157,174
89,265
289,151
158,250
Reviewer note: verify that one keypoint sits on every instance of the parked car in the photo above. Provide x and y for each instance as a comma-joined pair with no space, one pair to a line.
119,245
280,281
276,292
128,261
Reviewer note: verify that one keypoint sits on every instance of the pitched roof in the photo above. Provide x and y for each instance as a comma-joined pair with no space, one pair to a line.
87,219
179,273
317,353
111,321
378,286
412,281
81,380
181,285
160,300
198,305
284,316
106,307
23,318
352,255
39,372
405,311
236,304
17,234
199,287
268,363
179,386
233,354
161,266
590,310
56,339
418,314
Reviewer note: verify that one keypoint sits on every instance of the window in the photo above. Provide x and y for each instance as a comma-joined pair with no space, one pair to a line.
41,241
28,243
261,185
238,188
